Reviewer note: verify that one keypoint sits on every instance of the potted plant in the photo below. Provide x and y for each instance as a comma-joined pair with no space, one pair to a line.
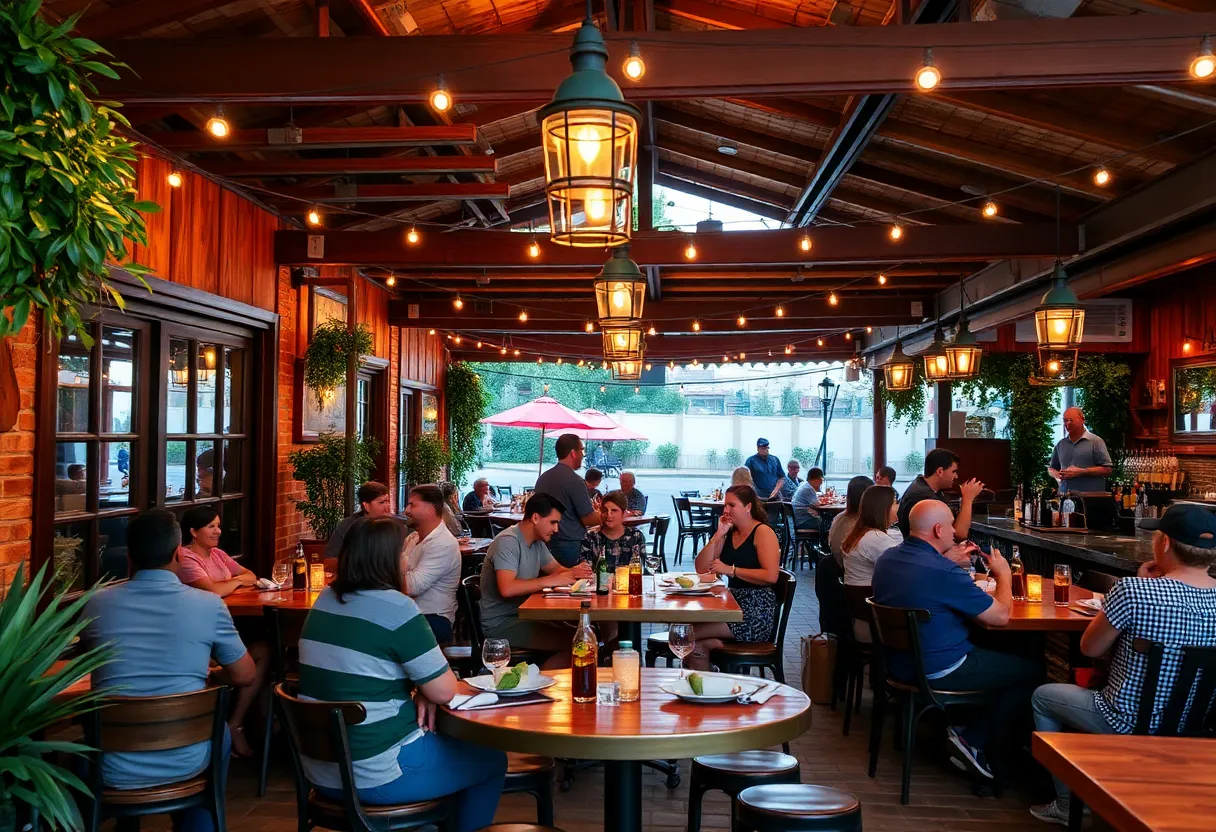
323,468
31,643
325,359
424,460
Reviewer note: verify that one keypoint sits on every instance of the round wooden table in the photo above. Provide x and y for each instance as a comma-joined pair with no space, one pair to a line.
658,726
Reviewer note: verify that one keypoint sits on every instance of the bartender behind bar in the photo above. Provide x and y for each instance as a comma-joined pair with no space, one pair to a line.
1080,461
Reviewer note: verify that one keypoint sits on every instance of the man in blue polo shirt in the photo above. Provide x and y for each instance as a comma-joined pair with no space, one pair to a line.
929,571
766,469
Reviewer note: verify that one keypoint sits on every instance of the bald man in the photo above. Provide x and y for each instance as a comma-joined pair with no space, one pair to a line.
1080,461
928,571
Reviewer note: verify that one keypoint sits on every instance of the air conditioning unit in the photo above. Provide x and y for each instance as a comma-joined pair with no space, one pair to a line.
1107,321
396,16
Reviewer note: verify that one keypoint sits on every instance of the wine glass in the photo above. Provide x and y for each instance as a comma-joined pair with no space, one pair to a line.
281,572
652,561
495,653
681,639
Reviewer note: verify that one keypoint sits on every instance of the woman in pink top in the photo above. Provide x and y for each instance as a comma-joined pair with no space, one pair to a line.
205,566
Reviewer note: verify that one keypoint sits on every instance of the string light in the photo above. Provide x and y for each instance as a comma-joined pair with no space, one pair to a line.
540,360
832,299
928,76
741,320
458,303
726,359
478,345
523,316
456,340
882,279
503,351
696,326
896,233
313,216
432,332
990,209
441,98
805,243
516,353
671,365
869,329
651,331
690,251
1186,345
559,359
1101,176
589,327
412,236
789,349
175,179
545,387
780,311
391,280
648,366
603,389
742,356
217,125
634,67
819,342
581,362
636,389
534,249
848,336
1205,63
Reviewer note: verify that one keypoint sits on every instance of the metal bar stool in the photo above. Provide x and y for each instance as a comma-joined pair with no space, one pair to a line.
796,808
732,773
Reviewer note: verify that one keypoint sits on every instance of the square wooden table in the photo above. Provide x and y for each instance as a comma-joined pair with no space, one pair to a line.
1136,783
1044,616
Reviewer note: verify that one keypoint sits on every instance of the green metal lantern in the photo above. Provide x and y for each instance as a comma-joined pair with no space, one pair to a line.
590,138
620,290
1059,319
899,369
1056,368
963,354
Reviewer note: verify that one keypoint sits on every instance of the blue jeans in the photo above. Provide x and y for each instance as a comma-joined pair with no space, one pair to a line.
198,819
1057,707
1012,678
435,766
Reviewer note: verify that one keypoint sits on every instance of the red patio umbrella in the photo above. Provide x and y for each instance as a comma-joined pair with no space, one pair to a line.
544,413
605,428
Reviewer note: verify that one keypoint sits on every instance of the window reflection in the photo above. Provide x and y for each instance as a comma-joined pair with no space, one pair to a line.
207,362
206,481
234,464
73,405
175,471
67,556
177,389
71,476
117,468
118,380
234,383
112,547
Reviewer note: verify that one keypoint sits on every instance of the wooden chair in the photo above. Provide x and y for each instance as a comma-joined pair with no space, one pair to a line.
897,628
317,730
471,590
796,808
732,773
158,723
283,628
532,774
740,657
807,542
776,518
788,542
504,492
857,654
479,526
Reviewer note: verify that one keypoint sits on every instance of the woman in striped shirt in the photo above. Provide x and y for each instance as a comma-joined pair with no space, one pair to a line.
365,641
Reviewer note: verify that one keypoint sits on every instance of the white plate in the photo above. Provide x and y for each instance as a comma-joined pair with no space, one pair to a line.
485,682
696,592
682,690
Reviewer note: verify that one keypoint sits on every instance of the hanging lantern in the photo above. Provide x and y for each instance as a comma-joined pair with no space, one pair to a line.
899,369
963,354
206,363
590,137
620,290
623,343
936,365
627,370
1059,318
180,368
1056,368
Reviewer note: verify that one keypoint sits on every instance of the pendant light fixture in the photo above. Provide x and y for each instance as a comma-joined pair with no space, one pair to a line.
620,290
936,365
899,369
1059,319
589,134
627,370
623,343
963,354
1056,368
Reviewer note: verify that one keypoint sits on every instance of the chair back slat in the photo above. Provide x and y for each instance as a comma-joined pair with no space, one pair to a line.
1096,581
659,533
310,725
855,599
683,512
470,588
479,526
784,590
696,494
156,723
1193,692
898,629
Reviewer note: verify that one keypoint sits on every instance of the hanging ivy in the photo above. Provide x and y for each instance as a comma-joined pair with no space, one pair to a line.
1104,390
906,407
325,360
423,460
466,399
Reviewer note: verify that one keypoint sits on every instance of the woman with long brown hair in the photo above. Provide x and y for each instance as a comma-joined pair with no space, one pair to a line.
745,549
872,534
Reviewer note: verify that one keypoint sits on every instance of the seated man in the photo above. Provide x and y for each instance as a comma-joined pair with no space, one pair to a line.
635,499
929,571
941,471
431,561
517,564
479,499
165,635
806,498
787,485
1171,601
374,501
594,477
885,476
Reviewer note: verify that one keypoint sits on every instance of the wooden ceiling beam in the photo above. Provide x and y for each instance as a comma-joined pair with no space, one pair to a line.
315,138
869,244
428,191
140,16
722,17
828,60
352,167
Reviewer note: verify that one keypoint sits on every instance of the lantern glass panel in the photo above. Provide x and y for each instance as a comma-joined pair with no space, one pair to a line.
1056,367
619,300
627,370
963,360
622,343
898,375
1059,327
937,367
590,166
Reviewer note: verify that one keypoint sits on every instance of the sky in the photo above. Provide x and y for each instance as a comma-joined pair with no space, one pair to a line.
689,210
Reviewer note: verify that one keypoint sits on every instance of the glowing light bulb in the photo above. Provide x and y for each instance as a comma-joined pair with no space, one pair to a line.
559,359
175,179
516,353
523,316
590,327
897,376
805,243
648,366
313,217
819,342
726,359
1186,346
431,332
882,280
690,251
651,331
581,362
636,389
1053,366
696,326
928,76
217,125
391,280
869,329
1061,326
534,249
619,298
540,360
634,67
1101,177
456,340
741,321
1205,63
587,141
848,336
457,303
780,311
671,365
896,233
503,351
789,350
441,98
742,356
621,340
595,204
990,209
603,389
478,345
412,236
832,299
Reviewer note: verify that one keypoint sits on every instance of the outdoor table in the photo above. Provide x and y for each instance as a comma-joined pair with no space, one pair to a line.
512,518
249,601
656,727
634,610
1044,616
1136,783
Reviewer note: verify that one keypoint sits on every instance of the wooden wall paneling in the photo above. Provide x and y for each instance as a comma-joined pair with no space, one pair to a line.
265,276
194,225
373,311
235,267
153,186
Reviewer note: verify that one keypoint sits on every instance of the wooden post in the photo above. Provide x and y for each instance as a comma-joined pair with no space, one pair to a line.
352,397
321,18
945,400
880,422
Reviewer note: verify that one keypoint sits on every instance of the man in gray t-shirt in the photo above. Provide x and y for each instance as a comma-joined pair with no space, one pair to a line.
518,564
1080,461
563,484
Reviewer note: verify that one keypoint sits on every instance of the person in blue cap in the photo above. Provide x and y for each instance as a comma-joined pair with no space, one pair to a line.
766,469
1171,601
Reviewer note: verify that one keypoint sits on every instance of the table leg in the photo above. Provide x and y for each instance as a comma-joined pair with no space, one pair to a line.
623,795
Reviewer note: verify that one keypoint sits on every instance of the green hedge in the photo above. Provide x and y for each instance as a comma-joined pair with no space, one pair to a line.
669,454
519,445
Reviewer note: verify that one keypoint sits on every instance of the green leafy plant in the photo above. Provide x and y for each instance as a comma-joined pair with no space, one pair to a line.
733,458
325,360
519,445
711,458
68,203
906,407
1104,389
629,449
424,459
791,402
914,463
30,644
467,400
668,454
762,405
323,468
804,455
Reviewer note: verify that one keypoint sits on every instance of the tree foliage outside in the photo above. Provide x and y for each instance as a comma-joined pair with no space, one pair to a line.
1104,389
323,469
68,203
668,454
578,388
762,405
914,463
791,402
733,458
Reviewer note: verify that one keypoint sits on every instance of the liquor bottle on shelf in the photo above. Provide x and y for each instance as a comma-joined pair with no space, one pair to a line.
583,657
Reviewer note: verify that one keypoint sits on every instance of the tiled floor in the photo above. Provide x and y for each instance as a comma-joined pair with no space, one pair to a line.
941,798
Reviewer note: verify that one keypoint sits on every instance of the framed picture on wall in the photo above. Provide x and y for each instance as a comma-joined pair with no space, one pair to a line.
430,413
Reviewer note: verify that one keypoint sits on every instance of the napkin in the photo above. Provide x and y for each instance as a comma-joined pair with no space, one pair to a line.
1094,603
266,583
489,701
768,692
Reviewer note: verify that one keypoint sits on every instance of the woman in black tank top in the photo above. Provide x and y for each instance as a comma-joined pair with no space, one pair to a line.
745,549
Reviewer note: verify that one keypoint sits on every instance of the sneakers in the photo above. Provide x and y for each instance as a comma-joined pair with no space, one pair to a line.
973,759
1051,813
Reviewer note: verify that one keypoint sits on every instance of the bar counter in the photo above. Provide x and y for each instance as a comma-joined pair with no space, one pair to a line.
1118,554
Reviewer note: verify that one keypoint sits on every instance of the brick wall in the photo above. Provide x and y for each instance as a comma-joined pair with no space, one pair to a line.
1200,471
17,462
289,524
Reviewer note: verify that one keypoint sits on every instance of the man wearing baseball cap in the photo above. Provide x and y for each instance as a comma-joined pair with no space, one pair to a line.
1171,601
766,469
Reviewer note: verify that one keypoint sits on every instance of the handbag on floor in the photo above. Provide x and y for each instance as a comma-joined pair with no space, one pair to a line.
818,666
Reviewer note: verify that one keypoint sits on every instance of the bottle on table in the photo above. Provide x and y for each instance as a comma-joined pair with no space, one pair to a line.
583,657
299,569
1017,572
627,671
603,575
1067,507
635,576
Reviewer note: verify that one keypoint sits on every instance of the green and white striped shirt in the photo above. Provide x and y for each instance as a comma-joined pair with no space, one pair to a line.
372,649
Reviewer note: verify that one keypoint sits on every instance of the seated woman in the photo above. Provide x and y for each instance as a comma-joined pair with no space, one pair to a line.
206,566
872,534
745,549
741,476
1171,601
453,517
365,640
843,522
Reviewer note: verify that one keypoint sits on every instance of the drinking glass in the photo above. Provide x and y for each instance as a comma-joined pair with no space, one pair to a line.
653,562
281,572
1034,588
1062,584
681,639
495,653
